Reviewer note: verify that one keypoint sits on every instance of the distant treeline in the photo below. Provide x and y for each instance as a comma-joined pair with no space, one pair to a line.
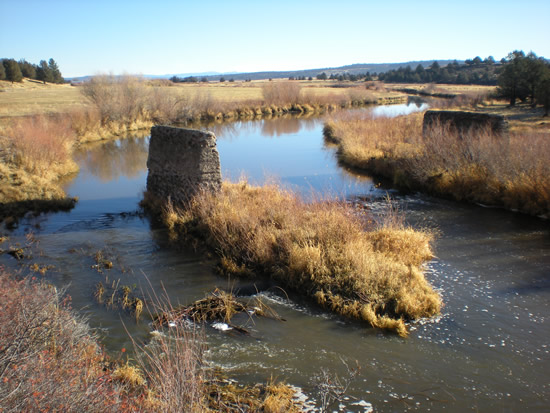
472,71
15,71
344,76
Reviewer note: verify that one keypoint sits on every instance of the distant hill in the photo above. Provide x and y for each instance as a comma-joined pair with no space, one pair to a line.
354,69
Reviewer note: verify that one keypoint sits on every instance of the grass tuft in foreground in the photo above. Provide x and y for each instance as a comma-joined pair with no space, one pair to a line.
322,249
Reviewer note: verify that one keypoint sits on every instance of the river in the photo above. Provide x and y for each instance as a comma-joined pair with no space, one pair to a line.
488,351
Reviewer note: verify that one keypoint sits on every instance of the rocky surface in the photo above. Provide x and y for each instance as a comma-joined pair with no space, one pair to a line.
182,162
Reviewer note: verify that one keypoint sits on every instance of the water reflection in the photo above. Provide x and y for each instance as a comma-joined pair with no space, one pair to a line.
111,160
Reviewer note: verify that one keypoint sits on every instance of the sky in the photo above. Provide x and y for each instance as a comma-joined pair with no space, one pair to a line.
173,37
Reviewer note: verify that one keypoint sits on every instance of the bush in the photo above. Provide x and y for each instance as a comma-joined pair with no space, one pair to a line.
43,144
121,99
49,359
281,93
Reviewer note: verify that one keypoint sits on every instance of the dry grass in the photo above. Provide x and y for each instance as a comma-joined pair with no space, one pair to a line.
31,98
323,249
475,167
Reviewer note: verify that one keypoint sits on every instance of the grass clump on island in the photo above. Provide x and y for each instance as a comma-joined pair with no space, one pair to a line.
512,172
324,250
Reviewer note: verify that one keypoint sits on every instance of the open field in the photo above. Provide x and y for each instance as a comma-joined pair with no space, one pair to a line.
442,88
32,97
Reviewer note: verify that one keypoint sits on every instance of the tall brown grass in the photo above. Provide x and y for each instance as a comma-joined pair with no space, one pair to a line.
173,364
321,249
512,172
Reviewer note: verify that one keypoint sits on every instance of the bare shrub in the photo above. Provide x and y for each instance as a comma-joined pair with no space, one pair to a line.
118,98
360,96
49,359
43,144
281,93
84,121
332,388
168,107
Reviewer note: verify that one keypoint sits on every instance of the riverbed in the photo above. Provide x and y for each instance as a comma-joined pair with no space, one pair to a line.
487,351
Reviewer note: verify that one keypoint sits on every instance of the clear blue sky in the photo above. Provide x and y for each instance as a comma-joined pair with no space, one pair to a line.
161,37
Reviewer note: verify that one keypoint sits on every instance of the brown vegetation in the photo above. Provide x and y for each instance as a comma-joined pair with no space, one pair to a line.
50,360
344,262
479,167
35,153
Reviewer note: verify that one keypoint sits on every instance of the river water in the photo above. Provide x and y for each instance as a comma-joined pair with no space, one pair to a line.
488,351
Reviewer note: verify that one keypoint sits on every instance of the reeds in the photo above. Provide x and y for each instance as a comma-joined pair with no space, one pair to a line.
322,249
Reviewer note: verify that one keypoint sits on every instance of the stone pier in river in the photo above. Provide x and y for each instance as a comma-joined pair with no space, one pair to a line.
182,162
465,122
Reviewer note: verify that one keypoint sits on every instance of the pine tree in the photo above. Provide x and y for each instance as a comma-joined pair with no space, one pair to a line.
56,73
27,69
511,82
13,73
2,70
43,72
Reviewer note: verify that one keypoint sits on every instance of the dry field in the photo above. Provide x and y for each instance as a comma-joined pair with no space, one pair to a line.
442,88
32,97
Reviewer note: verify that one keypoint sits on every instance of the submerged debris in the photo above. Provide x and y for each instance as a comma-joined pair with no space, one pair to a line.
114,296
219,306
229,396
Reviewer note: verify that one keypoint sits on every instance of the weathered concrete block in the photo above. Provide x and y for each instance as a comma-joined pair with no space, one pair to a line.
182,162
465,122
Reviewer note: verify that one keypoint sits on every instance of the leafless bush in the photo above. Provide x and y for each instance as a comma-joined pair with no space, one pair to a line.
332,388
40,142
281,93
49,359
118,98
361,96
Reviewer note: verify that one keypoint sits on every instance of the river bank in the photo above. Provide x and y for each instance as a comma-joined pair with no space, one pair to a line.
109,108
477,167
